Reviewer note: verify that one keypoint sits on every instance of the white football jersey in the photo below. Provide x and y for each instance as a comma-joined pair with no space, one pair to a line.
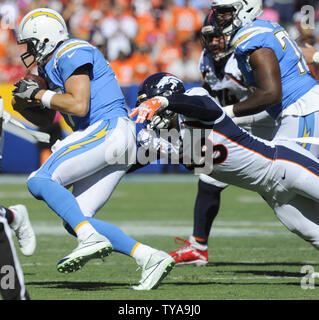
231,79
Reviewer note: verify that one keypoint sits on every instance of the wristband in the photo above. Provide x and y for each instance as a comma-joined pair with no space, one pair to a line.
316,57
230,111
47,97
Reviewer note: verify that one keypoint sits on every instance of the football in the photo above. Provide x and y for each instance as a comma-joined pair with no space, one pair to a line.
39,80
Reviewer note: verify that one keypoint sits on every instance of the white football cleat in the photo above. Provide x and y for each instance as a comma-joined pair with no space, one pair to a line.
23,229
95,246
155,267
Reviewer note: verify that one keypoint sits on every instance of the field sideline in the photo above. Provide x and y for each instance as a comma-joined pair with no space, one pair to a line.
251,255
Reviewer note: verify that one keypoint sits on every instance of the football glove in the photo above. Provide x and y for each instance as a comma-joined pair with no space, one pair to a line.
162,121
26,89
147,109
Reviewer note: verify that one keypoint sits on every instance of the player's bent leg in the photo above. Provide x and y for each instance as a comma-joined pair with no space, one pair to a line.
195,251
300,216
206,209
94,191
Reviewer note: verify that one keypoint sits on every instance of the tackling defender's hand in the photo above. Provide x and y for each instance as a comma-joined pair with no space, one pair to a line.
26,89
149,108
310,53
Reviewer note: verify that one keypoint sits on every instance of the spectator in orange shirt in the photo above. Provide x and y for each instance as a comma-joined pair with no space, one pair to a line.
146,23
143,64
169,53
81,21
186,21
124,69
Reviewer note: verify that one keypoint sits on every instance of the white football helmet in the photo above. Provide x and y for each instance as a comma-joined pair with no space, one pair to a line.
244,12
42,30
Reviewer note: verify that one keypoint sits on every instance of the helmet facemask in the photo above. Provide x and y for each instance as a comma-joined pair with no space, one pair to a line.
35,49
226,18
31,44
216,44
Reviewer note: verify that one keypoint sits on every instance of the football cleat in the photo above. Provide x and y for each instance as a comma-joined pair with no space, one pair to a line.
155,267
23,229
95,246
190,253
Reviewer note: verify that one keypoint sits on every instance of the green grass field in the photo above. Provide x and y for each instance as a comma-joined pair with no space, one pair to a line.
251,255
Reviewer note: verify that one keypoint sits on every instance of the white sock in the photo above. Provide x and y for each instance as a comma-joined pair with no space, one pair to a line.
140,251
197,245
17,218
83,230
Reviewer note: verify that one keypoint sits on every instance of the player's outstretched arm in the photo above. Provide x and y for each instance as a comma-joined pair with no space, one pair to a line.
198,107
268,91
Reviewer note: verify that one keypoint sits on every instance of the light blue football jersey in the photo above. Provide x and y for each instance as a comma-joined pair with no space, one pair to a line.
296,78
107,100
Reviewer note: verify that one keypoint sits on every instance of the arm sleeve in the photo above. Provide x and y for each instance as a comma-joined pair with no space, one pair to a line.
199,107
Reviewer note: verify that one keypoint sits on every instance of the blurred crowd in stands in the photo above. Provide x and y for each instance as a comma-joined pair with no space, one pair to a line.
139,37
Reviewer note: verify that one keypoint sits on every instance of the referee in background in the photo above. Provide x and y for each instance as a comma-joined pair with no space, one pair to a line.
11,275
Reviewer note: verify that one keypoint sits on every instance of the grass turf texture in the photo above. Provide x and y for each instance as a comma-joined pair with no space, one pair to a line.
251,255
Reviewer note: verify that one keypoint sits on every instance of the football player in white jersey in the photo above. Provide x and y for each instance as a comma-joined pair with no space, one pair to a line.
93,159
224,81
287,178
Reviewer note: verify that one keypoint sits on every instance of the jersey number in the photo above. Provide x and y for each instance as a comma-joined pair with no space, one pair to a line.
284,40
220,152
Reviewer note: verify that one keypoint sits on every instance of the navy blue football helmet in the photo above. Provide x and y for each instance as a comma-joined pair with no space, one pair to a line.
159,84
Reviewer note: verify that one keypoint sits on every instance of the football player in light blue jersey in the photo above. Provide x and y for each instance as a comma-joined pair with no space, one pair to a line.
93,159
103,104
273,66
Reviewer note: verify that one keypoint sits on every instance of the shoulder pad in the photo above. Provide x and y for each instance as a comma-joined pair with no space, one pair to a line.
246,34
69,46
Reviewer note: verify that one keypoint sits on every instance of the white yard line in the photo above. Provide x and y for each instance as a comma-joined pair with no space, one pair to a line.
181,229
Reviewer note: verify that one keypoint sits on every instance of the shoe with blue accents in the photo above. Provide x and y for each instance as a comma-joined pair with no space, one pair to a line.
95,246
